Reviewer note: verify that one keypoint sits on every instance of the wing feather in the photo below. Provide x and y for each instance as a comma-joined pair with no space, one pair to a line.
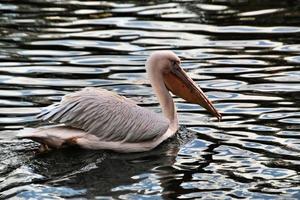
107,115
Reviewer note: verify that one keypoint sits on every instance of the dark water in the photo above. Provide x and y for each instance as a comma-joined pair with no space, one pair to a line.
244,54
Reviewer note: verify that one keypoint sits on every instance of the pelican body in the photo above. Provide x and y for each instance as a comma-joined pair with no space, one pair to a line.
95,118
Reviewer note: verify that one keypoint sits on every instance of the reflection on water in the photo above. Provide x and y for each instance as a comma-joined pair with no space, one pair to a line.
244,54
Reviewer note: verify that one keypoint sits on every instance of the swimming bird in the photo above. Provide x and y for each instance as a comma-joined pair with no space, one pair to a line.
95,118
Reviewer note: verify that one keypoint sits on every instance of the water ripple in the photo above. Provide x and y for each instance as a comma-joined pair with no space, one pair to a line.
131,22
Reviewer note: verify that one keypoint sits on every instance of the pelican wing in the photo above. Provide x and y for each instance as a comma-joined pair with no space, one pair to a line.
107,115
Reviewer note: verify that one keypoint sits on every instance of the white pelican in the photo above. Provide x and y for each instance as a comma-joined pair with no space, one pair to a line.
95,118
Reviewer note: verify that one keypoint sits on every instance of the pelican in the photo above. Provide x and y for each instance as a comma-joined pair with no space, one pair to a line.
95,118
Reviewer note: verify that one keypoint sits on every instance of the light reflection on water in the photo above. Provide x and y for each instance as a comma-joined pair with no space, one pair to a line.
244,55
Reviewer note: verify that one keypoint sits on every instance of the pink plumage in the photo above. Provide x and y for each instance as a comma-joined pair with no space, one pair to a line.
95,118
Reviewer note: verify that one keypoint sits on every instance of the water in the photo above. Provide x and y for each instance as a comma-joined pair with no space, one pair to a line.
244,54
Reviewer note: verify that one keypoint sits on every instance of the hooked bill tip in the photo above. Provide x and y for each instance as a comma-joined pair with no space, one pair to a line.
219,117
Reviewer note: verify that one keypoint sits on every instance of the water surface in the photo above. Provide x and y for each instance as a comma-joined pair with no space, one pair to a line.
244,54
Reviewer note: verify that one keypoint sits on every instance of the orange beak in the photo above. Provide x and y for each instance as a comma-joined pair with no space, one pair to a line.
180,84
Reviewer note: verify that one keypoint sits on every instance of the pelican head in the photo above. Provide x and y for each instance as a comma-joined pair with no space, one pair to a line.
166,74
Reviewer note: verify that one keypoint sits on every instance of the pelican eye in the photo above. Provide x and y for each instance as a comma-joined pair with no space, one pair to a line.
176,65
